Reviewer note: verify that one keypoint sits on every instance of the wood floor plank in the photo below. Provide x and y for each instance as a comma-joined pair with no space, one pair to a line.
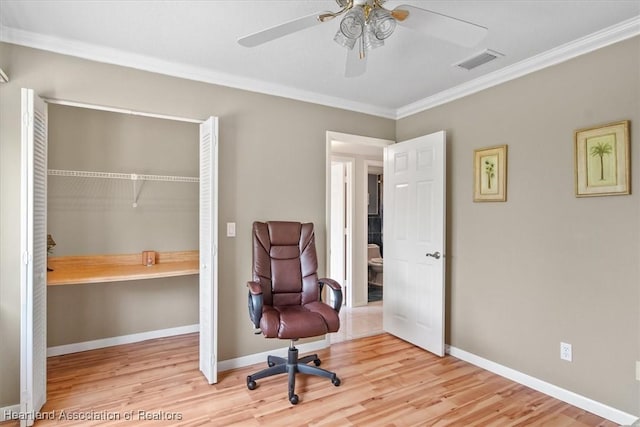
385,382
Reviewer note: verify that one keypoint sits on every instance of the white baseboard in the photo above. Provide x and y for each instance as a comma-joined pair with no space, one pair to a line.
224,365
124,339
252,359
559,393
5,413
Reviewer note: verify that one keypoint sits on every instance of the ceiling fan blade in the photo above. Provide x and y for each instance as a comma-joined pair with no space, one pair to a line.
281,30
356,66
441,26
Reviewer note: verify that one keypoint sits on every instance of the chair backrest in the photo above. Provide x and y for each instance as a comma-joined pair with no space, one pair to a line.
285,262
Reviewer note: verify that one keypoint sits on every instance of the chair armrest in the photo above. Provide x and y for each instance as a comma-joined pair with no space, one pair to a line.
254,288
336,292
255,303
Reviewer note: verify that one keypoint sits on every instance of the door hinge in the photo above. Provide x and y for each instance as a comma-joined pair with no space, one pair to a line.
26,258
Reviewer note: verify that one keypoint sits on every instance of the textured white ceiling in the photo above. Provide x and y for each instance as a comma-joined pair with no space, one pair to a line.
198,39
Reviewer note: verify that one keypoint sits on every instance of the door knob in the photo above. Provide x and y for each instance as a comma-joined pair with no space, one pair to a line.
436,255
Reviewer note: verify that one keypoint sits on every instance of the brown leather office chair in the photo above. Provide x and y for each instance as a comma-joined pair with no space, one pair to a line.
285,297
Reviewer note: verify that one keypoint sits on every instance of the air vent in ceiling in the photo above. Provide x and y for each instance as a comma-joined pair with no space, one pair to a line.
479,59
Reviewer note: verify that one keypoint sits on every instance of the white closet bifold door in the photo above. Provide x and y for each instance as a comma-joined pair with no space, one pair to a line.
33,246
208,249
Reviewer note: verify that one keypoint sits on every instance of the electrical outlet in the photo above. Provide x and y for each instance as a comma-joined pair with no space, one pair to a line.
638,370
565,351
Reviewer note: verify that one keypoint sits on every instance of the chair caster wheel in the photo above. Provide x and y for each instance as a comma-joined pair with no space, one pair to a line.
335,381
294,399
317,362
251,385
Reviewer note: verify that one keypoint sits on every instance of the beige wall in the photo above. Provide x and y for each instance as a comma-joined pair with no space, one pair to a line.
272,166
546,266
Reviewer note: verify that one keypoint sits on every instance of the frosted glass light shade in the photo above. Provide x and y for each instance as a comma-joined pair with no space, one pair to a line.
352,24
382,23
344,41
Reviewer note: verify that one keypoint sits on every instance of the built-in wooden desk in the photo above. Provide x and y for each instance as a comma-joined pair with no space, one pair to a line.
77,270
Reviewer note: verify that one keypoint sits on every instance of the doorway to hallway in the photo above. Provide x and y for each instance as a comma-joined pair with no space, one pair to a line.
350,207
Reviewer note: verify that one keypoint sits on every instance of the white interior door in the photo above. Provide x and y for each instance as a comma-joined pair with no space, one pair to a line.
33,247
209,249
414,239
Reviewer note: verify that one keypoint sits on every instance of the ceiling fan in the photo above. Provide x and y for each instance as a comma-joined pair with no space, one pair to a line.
366,24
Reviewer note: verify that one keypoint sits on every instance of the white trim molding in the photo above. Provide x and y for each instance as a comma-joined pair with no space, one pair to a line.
223,365
559,393
123,339
608,36
597,40
252,359
147,63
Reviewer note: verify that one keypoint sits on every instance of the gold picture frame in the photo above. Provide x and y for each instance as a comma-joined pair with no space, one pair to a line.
490,174
602,160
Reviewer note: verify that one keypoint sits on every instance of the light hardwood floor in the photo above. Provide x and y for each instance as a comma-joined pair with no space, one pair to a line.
358,322
385,382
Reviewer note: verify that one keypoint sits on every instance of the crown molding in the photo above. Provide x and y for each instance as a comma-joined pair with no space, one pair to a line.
616,33
146,63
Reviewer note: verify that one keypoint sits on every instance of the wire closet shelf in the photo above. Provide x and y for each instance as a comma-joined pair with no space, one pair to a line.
133,177
118,175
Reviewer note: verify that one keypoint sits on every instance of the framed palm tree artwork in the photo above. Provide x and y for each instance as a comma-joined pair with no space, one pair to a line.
602,160
490,174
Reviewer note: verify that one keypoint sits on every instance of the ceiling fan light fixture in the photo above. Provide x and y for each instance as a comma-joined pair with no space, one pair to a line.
369,39
344,41
352,25
382,23
369,25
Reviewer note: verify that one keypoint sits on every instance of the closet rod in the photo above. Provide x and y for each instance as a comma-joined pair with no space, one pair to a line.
127,176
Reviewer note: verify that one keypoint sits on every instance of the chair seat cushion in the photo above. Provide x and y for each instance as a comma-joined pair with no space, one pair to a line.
299,321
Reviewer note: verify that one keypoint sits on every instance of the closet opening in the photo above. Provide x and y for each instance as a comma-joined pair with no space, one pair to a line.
123,210
120,185
97,185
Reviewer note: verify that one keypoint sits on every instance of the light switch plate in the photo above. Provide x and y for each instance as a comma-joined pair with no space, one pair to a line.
231,229
566,352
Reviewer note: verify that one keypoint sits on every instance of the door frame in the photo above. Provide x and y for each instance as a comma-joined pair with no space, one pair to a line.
135,113
358,210
346,281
